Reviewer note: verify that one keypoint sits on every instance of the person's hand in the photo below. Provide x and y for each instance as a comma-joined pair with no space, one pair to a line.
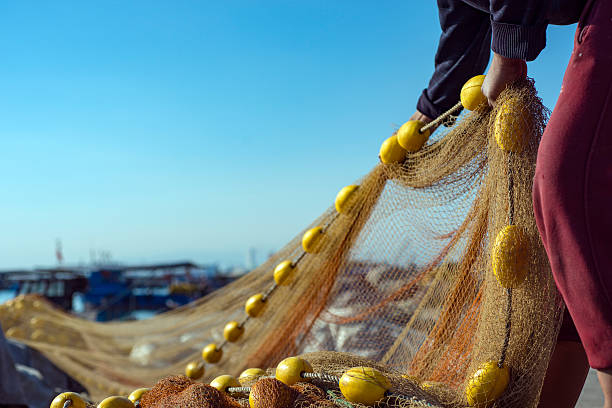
502,72
423,118
419,116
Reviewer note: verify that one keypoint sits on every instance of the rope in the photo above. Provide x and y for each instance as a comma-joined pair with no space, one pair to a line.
330,222
441,118
504,349
238,390
510,191
270,290
321,376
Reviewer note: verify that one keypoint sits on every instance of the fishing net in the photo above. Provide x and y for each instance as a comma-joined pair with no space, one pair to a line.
408,279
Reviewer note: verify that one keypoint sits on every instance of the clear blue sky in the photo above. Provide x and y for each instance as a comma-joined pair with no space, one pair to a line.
162,130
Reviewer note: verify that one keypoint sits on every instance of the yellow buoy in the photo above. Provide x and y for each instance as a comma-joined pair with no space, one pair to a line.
512,125
346,199
223,382
116,402
289,371
471,93
364,385
136,395
283,272
312,240
233,331
487,384
211,354
75,399
409,136
251,374
391,151
510,256
254,305
194,370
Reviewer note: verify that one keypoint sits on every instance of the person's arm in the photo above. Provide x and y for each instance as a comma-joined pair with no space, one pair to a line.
518,28
463,52
518,35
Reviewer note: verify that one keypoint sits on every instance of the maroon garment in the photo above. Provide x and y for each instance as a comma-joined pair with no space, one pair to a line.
572,192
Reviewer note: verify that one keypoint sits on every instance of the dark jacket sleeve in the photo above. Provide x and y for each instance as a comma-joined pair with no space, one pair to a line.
519,27
463,52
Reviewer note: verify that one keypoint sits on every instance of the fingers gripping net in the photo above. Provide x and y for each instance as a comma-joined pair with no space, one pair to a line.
417,278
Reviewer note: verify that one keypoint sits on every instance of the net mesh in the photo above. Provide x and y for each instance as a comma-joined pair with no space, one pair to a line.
403,282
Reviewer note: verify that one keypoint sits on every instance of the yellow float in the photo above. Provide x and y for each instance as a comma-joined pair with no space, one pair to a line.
223,382
75,399
194,370
283,272
312,240
391,151
511,126
364,385
510,256
233,331
345,199
471,93
410,137
254,305
251,374
136,395
116,402
487,384
212,354
289,371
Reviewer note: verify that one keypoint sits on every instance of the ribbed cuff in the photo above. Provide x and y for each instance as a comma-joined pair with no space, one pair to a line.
518,41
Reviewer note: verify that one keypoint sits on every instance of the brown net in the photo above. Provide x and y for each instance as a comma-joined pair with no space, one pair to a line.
403,281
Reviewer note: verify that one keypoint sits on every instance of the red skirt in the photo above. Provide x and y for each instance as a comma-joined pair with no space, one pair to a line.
572,193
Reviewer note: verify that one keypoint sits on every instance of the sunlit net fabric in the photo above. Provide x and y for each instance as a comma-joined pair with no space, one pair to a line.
403,283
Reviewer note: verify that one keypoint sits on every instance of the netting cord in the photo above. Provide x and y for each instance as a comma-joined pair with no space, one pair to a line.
411,399
504,349
441,118
510,191
274,286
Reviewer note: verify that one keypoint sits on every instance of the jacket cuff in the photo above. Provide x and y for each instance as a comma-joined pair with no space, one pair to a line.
518,41
427,107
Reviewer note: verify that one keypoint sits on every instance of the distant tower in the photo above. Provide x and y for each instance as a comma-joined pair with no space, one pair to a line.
252,260
58,251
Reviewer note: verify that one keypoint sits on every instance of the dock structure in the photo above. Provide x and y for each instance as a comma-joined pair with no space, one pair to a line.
115,291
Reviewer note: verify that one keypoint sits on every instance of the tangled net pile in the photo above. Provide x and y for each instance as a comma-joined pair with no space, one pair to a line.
401,281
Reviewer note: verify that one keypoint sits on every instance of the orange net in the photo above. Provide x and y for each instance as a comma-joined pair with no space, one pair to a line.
411,278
